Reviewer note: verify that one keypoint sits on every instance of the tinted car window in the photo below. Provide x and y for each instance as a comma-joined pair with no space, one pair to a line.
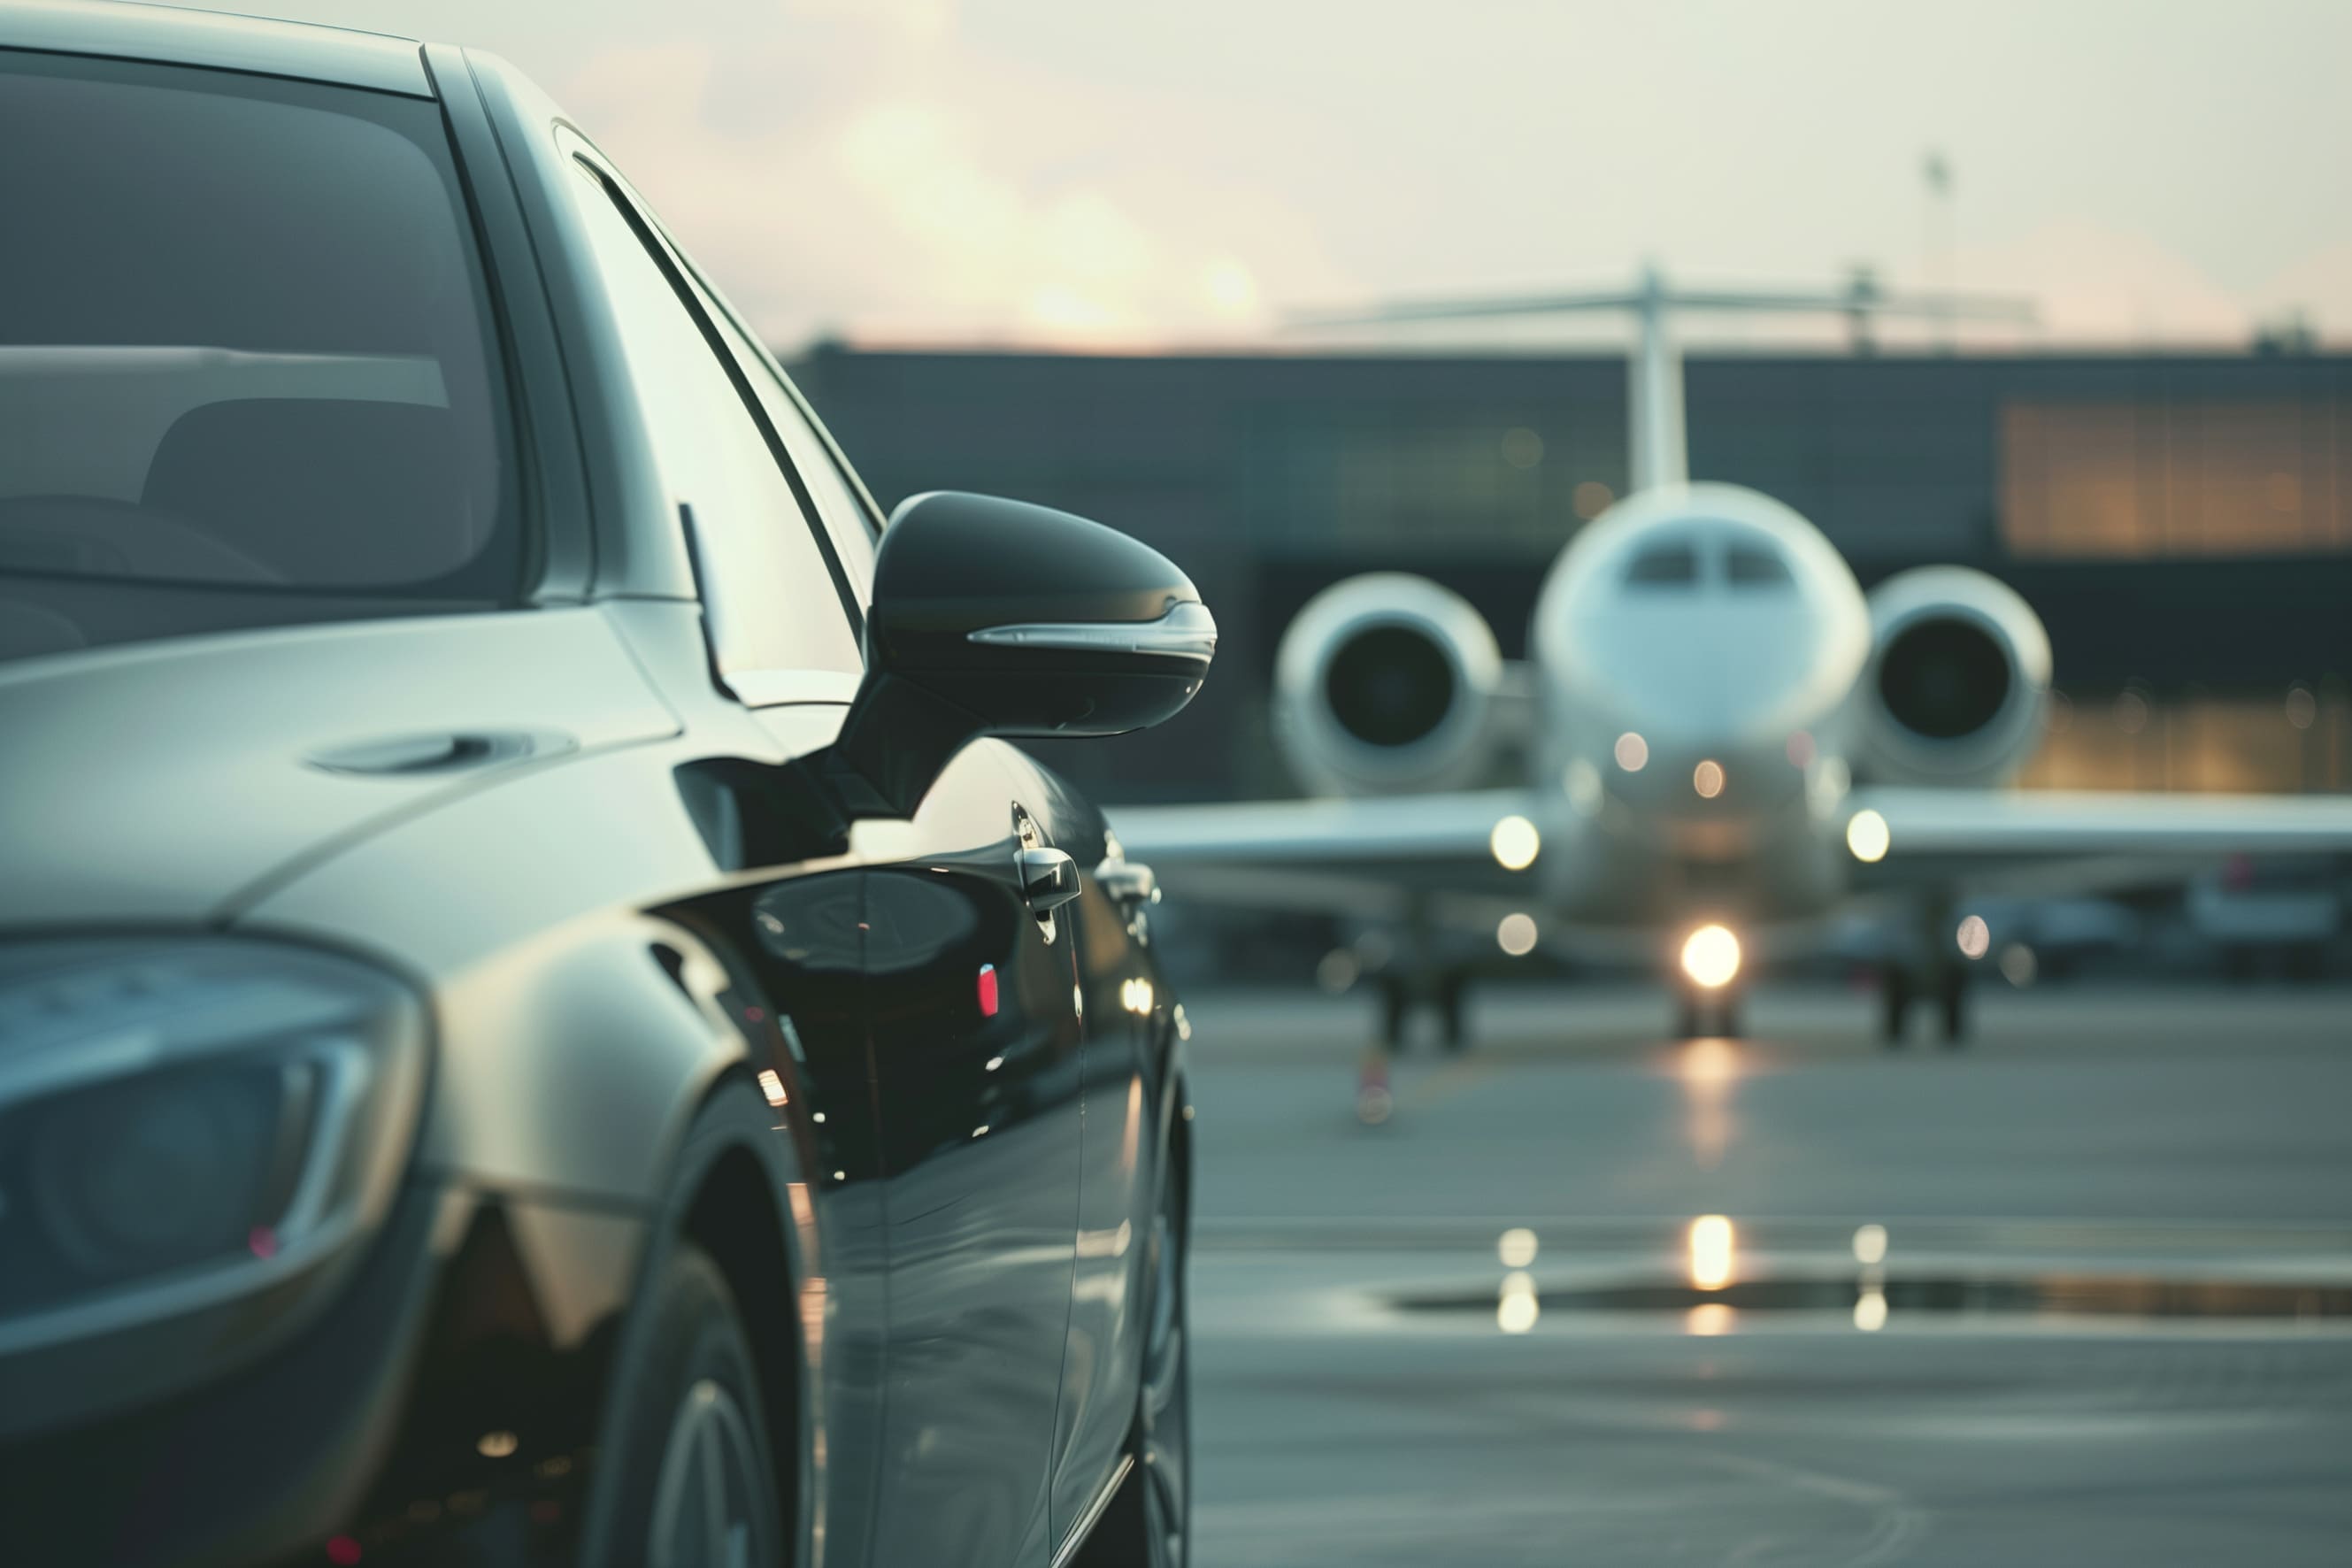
765,581
244,352
844,517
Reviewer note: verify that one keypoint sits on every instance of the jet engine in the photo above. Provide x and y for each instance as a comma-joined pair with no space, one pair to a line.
1385,684
1958,676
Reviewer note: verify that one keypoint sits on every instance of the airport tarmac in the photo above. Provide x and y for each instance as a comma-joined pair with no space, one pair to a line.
2081,1293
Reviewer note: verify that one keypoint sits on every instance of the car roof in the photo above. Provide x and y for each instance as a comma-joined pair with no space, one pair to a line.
180,36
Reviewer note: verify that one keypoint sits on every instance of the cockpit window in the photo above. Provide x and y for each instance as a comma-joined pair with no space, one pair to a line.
1664,566
1755,566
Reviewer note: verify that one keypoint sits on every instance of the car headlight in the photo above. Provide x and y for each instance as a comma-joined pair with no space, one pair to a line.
183,1122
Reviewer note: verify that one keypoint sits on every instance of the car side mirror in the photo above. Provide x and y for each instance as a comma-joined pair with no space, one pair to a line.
995,617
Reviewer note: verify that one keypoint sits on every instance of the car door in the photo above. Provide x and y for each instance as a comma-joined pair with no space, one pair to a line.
1120,1151
777,626
980,1074
980,1078
974,1039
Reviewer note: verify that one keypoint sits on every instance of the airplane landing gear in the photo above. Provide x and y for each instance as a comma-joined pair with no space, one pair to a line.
1894,1004
1450,1016
1447,994
1700,1014
1946,988
1952,988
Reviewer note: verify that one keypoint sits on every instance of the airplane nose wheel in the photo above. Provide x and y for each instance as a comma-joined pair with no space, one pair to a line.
1705,1015
1948,990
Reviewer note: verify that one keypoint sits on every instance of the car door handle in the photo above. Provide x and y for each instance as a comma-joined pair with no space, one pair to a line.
1049,879
1129,882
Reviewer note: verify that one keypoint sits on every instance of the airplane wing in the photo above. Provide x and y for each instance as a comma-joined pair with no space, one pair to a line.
1380,856
1371,858
2049,840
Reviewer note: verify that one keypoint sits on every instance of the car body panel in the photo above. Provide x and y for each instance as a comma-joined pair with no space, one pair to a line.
169,831
591,1002
371,60
548,438
980,1081
631,557
623,927
1128,1080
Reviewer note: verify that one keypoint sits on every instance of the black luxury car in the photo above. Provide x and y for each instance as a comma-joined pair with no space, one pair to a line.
537,1022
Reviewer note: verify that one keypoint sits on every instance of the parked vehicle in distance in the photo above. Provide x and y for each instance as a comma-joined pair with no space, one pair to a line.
2257,913
538,1020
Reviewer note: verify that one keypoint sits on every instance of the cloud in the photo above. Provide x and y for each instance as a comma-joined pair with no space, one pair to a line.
910,189
2107,286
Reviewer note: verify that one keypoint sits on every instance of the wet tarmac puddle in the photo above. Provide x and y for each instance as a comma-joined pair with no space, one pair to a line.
1870,1301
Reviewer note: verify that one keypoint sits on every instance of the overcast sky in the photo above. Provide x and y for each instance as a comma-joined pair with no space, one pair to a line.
1114,173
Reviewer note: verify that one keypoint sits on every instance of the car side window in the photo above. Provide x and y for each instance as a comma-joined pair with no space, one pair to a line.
847,522
767,584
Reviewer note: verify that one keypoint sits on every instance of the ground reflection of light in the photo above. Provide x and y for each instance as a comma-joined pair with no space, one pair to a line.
1711,1244
1516,1310
1709,1061
1870,1243
1870,1311
1517,1247
1709,1318
1709,1066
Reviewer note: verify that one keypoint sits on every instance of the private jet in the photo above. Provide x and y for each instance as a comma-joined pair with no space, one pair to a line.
1728,744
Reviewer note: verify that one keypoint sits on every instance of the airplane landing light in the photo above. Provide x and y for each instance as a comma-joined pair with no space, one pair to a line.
1514,843
1711,957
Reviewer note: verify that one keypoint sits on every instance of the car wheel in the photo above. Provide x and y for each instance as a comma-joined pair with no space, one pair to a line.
696,1473
1149,1523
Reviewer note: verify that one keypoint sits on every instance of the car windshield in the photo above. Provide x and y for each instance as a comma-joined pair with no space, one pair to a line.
244,371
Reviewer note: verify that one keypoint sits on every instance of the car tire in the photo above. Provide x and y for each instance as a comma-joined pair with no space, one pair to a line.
695,1474
1148,1523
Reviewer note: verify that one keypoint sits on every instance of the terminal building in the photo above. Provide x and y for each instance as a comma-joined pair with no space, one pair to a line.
2183,524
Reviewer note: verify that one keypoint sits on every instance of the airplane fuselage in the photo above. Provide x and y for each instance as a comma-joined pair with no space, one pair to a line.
1697,652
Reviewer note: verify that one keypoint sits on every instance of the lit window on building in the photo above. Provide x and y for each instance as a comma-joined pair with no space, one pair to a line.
1412,474
2297,740
2176,476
